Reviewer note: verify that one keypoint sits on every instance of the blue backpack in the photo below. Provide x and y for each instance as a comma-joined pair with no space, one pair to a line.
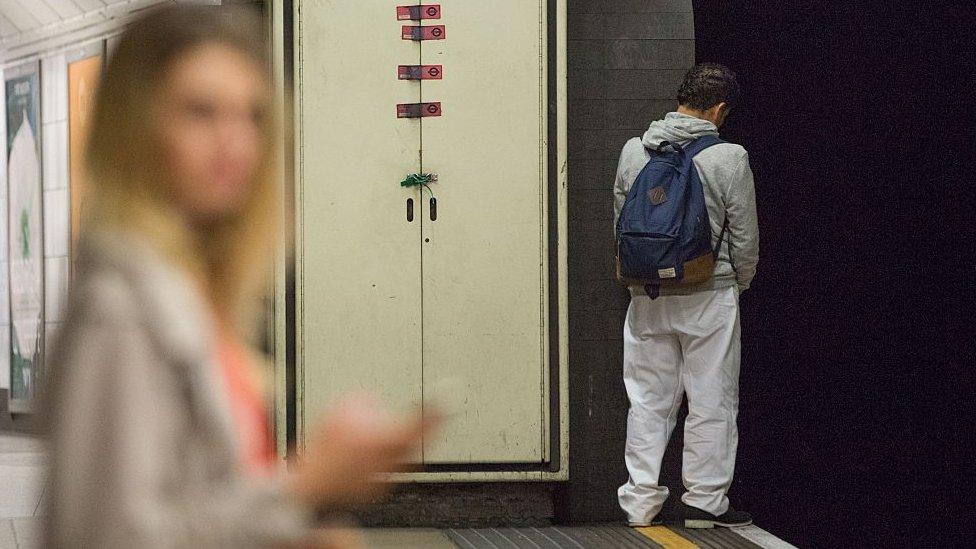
664,237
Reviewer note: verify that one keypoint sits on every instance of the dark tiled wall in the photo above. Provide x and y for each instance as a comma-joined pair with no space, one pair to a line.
626,60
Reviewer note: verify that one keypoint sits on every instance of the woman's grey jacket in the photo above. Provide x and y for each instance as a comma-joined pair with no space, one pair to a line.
142,448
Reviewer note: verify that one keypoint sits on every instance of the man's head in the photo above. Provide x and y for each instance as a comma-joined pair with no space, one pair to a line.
709,92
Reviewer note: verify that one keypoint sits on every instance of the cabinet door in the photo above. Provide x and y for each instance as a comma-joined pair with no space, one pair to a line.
484,255
359,256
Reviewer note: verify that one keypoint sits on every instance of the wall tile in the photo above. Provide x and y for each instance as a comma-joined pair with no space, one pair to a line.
586,54
650,26
588,114
4,245
591,173
54,155
4,294
4,308
643,84
51,330
56,226
650,54
586,83
600,296
587,144
586,326
615,324
54,88
586,6
648,6
635,114
587,26
593,205
56,272
5,356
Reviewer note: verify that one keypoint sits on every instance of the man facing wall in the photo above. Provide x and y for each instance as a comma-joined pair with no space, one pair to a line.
687,339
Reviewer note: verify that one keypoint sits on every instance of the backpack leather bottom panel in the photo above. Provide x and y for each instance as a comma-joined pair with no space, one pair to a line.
696,271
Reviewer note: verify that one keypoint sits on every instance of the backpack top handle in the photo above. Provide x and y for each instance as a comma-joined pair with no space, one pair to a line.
677,148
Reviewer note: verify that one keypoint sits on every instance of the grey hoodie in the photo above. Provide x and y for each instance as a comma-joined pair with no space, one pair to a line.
729,194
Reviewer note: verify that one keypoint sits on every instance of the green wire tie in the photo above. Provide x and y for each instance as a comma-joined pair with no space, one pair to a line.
420,180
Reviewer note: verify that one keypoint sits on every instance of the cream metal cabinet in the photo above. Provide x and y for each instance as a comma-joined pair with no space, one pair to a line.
360,263
460,294
484,257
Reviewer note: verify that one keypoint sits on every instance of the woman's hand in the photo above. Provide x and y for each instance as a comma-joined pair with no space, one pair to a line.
349,452
337,534
339,537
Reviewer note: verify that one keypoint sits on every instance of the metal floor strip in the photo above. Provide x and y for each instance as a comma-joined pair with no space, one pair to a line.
459,539
615,537
562,537
716,538
517,538
568,537
489,537
762,538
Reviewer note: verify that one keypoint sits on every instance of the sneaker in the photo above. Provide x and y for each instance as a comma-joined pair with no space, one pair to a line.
696,518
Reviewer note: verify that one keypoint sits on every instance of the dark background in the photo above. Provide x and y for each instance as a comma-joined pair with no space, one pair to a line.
857,386
857,393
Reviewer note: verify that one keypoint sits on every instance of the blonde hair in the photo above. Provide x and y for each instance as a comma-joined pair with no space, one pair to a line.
229,259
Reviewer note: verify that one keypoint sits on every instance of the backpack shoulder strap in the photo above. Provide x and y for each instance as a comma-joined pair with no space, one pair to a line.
691,150
700,144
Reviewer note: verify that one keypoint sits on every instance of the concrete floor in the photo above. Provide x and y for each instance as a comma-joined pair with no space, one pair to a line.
410,538
21,487
24,533
21,475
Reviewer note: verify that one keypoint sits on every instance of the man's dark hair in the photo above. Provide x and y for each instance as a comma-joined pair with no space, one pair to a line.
707,85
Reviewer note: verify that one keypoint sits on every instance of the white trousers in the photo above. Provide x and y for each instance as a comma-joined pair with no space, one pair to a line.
676,345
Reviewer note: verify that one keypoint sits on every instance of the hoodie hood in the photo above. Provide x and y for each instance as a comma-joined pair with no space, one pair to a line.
677,128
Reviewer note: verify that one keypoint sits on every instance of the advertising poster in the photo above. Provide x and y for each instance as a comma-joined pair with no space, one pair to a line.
24,231
83,77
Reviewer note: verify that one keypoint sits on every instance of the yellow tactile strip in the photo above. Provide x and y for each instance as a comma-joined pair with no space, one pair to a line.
666,537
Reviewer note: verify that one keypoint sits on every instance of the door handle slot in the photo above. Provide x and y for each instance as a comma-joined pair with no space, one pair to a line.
433,209
409,210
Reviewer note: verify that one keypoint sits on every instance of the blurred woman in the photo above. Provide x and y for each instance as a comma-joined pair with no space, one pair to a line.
159,429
